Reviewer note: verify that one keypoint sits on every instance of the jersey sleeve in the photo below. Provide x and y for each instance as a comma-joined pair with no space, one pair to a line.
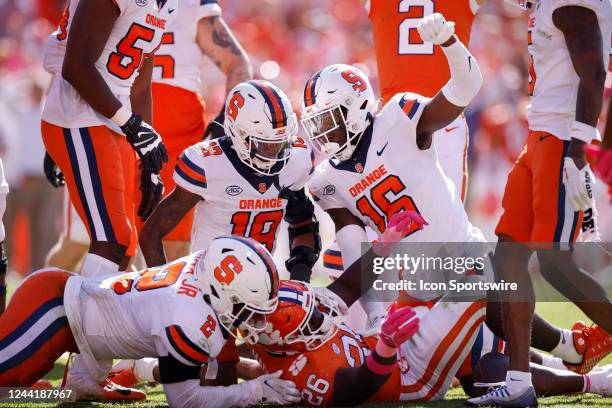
207,8
300,166
404,111
189,172
594,5
323,192
186,345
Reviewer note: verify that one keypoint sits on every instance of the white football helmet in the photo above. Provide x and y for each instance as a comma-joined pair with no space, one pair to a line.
339,96
260,121
240,278
524,4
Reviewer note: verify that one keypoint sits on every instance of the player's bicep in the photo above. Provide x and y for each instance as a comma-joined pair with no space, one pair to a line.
85,45
343,217
171,370
217,42
582,34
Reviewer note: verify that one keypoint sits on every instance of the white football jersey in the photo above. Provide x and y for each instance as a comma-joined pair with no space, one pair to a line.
236,200
389,173
553,82
153,313
136,34
178,60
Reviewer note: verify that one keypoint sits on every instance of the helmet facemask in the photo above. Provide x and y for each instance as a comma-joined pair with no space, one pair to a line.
329,131
249,320
316,328
261,153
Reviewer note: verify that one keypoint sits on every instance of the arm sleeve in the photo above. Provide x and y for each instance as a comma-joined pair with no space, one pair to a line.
185,345
189,172
189,394
207,8
300,166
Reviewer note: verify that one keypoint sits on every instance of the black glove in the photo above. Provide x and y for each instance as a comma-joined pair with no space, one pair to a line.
300,272
147,143
152,190
53,173
215,129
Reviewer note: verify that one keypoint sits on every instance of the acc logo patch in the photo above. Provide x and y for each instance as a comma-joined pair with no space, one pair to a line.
233,190
329,190
142,3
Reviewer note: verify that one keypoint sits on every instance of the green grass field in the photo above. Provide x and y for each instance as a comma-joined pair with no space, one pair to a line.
560,314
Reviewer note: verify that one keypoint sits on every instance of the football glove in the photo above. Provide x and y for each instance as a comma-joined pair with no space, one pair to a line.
397,228
399,325
152,190
147,143
215,129
578,184
275,391
53,173
435,29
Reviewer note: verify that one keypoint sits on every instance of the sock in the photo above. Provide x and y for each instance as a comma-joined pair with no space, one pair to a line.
517,381
587,384
94,265
552,362
565,350
143,369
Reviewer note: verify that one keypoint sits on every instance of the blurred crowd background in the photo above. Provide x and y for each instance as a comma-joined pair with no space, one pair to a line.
287,41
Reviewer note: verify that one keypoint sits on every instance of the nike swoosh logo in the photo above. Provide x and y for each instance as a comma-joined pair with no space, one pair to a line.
544,137
470,62
170,11
450,129
380,152
512,379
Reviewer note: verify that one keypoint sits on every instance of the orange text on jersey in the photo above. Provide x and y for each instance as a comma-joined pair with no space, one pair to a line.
156,21
261,204
368,180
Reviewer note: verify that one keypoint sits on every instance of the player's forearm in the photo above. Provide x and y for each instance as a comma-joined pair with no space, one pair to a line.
590,96
152,248
141,97
606,142
349,285
189,394
239,71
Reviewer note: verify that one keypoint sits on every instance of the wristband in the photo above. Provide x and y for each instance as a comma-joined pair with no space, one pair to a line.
121,117
584,132
380,365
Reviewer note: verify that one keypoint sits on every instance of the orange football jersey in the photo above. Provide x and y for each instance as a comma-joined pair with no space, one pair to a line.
405,62
313,372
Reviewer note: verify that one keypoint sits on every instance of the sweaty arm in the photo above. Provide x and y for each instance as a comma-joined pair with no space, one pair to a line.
84,47
464,84
580,28
217,41
164,219
140,97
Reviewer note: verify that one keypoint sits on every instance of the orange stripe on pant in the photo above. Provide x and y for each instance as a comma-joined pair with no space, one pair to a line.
101,172
442,348
179,117
34,330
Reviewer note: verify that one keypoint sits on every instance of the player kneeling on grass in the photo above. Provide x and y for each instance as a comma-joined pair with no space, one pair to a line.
182,313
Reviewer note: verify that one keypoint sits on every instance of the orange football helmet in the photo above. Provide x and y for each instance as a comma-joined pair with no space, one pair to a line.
301,321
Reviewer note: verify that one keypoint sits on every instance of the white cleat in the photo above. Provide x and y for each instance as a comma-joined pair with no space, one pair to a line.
600,381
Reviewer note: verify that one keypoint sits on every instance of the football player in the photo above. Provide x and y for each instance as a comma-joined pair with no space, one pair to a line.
183,313
4,190
331,364
96,118
244,183
178,109
549,188
411,64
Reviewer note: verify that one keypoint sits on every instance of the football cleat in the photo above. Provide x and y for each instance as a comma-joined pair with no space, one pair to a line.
87,389
124,378
501,397
593,343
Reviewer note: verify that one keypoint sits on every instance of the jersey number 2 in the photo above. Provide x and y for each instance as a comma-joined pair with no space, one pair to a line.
409,41
379,208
